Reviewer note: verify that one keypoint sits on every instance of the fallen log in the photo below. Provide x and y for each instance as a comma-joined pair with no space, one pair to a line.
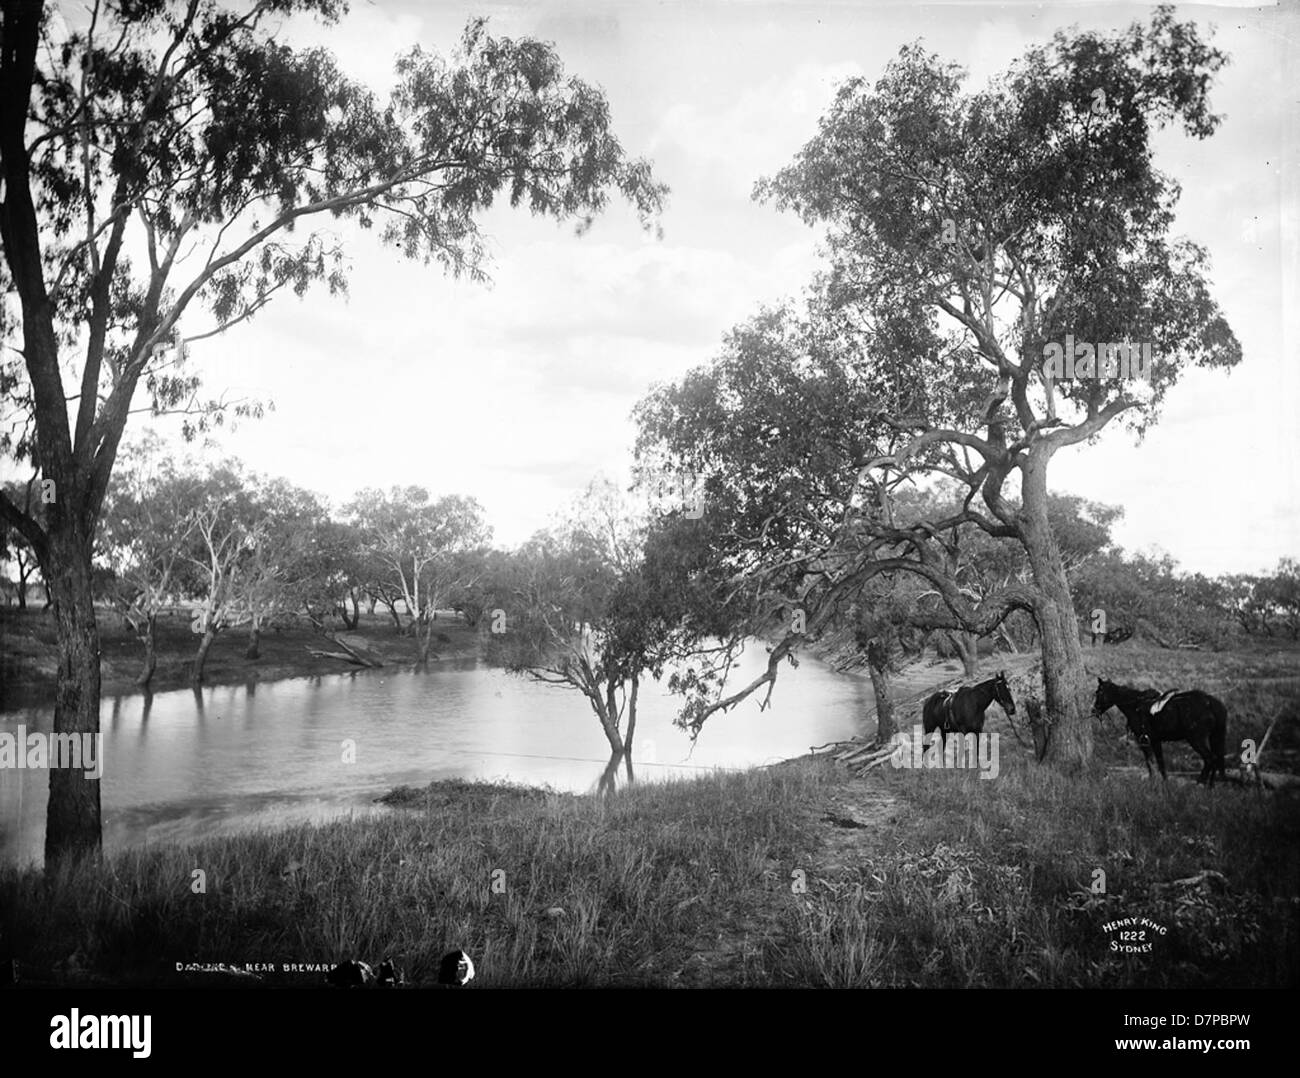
360,656
342,657
347,655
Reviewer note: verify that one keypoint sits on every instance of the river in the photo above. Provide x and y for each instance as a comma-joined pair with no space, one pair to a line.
184,765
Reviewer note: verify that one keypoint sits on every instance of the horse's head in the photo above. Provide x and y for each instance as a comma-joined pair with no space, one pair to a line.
1105,698
1002,693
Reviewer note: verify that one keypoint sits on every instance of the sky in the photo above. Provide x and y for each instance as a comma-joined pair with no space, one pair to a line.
519,392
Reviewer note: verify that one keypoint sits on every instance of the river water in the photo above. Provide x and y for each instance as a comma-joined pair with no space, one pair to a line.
183,765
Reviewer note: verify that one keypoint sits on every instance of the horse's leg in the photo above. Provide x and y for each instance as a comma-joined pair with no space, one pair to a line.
1158,748
1200,743
1146,756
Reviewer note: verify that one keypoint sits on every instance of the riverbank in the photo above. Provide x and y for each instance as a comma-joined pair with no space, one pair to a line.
795,875
29,653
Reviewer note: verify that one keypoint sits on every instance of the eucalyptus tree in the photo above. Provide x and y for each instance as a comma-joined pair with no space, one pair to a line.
602,600
482,571
334,572
1243,600
1280,591
225,547
164,162
983,566
146,526
978,244
419,547
290,565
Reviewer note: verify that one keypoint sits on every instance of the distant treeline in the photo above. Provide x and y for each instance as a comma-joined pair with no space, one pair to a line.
239,549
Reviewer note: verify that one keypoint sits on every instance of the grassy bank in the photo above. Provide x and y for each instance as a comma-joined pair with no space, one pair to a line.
29,653
993,882
1257,684
798,875
912,879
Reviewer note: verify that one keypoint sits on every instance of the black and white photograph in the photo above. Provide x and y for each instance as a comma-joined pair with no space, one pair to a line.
606,494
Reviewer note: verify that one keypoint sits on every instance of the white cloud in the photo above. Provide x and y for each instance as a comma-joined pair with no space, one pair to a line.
742,137
520,392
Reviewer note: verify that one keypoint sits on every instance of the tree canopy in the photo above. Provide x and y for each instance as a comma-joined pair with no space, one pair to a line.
166,166
972,237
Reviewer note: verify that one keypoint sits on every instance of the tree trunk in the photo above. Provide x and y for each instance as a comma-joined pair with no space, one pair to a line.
149,639
350,623
1038,729
254,649
967,645
631,715
631,728
201,659
317,620
1064,678
877,664
73,824
607,712
423,630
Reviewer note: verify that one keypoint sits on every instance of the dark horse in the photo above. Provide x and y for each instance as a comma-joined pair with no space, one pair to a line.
1155,717
962,712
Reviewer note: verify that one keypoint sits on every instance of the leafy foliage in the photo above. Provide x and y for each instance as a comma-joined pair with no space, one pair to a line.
966,231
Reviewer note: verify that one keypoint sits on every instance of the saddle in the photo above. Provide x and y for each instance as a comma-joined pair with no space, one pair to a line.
1144,739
